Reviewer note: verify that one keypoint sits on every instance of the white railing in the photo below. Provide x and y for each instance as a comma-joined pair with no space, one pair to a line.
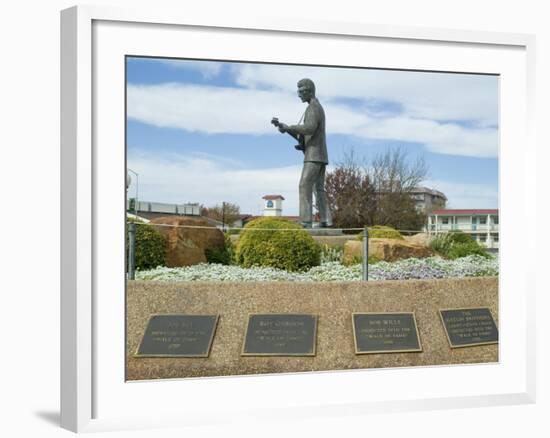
464,227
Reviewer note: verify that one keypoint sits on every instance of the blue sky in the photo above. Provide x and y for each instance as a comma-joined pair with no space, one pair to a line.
199,131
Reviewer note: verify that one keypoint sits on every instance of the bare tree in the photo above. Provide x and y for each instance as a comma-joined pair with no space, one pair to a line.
395,176
393,172
378,193
225,212
349,192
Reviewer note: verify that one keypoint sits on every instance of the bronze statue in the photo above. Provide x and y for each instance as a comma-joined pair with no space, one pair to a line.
311,139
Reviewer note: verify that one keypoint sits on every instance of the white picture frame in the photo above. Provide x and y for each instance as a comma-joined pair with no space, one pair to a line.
94,396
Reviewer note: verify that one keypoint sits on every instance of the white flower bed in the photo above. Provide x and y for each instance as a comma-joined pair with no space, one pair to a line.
432,267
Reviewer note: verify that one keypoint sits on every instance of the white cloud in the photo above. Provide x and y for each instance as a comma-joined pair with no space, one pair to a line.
211,110
208,180
442,138
208,69
437,96
215,110
466,195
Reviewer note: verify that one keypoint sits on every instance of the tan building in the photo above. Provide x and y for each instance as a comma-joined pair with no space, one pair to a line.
427,199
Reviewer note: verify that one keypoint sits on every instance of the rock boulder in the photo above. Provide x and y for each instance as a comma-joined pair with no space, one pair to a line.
419,239
385,249
187,246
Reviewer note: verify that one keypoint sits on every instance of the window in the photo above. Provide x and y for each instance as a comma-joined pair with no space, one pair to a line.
482,220
445,220
495,220
495,238
483,238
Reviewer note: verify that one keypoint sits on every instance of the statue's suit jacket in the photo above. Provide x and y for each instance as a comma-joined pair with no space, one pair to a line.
313,131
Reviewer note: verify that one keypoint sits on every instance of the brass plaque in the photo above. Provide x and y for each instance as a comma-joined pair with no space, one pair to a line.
388,332
469,327
280,334
177,335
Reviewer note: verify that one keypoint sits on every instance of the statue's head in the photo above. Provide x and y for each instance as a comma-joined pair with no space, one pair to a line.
306,89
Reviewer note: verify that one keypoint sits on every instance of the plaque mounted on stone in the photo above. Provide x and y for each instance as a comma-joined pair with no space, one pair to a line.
469,327
388,332
178,335
280,334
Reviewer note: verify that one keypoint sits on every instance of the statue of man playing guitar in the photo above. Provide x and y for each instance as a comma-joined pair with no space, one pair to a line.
311,139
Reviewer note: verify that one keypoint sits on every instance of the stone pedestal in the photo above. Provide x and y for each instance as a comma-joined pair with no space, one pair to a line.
333,303
324,232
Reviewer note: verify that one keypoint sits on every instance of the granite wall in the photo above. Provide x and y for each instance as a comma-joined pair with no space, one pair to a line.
332,302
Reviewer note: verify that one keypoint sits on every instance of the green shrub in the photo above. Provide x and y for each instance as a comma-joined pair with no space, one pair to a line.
223,256
288,250
457,236
150,246
356,260
373,260
456,244
382,232
331,253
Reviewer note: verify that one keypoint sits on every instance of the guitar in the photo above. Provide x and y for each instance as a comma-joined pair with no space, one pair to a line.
301,146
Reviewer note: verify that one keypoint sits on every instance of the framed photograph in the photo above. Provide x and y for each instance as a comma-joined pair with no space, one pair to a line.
255,208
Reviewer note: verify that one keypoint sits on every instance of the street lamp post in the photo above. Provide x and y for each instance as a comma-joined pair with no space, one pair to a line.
137,190
223,217
132,228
